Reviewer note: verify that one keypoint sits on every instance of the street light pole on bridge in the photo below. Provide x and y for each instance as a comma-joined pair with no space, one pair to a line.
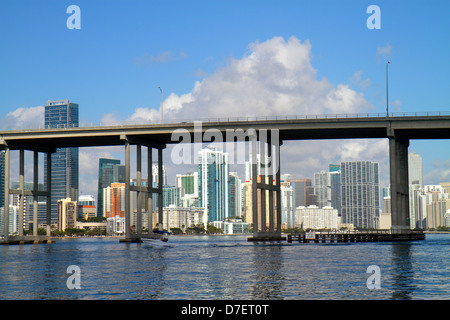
162,117
387,90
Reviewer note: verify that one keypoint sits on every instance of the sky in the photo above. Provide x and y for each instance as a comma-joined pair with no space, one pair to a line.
228,59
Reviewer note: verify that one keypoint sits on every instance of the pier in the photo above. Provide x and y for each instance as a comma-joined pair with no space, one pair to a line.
376,236
12,240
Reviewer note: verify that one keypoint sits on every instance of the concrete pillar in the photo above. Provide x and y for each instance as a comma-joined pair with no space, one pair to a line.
271,202
277,169
49,193
254,188
268,170
398,161
160,188
127,190
35,190
150,189
6,202
22,189
262,158
139,184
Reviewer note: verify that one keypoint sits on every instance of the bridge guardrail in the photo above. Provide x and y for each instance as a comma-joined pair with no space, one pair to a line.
252,118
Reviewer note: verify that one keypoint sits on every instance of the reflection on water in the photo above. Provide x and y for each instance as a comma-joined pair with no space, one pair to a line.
206,267
268,278
403,279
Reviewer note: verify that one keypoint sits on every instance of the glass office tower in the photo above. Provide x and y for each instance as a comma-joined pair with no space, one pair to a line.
62,114
213,172
109,171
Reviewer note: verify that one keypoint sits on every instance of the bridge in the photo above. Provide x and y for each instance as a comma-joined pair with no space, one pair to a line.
399,129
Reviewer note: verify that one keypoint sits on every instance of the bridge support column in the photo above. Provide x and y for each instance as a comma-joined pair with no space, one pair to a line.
6,192
266,196
398,161
127,191
35,191
135,235
20,238
49,193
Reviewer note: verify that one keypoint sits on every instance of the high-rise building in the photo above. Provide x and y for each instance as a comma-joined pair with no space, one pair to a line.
327,188
67,213
335,180
155,174
188,184
171,196
183,218
234,197
2,178
13,220
109,171
334,167
303,192
316,218
86,206
322,188
360,195
114,200
248,167
213,171
64,162
287,205
415,173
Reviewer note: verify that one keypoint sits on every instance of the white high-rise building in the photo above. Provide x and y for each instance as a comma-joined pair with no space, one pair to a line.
248,167
287,205
322,188
360,195
415,173
13,220
155,174
314,217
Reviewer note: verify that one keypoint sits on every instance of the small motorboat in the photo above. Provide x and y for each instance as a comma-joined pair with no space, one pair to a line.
161,241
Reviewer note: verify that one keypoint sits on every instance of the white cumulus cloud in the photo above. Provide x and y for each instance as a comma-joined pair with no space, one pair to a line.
24,118
276,78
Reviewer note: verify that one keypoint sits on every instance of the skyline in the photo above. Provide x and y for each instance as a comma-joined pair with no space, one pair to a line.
280,58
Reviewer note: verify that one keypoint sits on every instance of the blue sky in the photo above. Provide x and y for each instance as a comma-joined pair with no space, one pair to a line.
126,49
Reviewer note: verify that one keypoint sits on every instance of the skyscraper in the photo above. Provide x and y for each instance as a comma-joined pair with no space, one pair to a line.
114,200
287,205
322,188
327,188
303,192
335,179
109,171
213,171
360,194
415,173
64,164
234,197
188,183
2,178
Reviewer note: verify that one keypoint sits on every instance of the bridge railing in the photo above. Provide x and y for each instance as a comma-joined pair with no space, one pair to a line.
284,117
246,119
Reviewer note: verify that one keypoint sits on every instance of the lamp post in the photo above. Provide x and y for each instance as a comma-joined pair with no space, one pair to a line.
162,117
387,91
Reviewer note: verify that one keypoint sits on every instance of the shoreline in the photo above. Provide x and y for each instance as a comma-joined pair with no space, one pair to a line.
213,235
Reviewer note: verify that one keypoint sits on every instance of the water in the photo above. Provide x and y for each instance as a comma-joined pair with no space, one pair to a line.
226,267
